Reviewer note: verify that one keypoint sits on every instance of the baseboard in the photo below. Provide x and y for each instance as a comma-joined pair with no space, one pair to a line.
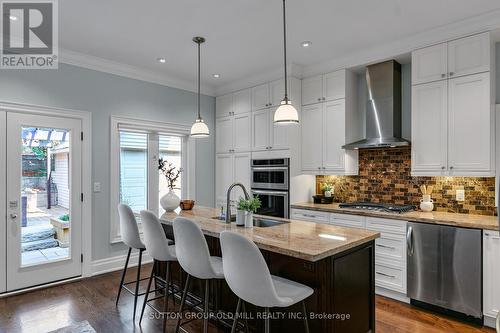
116,263
392,294
490,321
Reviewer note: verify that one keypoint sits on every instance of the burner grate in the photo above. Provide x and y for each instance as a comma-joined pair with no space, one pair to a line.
378,207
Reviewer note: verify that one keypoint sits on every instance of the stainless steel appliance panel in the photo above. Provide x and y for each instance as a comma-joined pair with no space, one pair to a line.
273,203
445,267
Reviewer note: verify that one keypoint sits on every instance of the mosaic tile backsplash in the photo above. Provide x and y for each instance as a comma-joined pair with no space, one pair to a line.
384,176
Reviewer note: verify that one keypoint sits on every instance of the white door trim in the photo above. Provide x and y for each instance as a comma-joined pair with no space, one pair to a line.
3,201
86,119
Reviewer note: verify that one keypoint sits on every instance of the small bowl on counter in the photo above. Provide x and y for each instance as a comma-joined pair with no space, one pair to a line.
186,204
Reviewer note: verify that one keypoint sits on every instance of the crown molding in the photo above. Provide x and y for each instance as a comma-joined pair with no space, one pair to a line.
116,68
254,80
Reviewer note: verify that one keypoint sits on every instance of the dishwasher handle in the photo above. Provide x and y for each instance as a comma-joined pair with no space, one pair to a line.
409,240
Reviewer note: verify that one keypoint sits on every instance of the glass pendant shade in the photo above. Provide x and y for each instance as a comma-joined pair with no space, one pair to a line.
286,113
199,129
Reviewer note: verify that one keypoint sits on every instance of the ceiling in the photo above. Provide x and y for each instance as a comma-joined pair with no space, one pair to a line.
244,37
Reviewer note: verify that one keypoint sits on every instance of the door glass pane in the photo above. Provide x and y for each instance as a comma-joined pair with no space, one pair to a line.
45,195
170,152
134,170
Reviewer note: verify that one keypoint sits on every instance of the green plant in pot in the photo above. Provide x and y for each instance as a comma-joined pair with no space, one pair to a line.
245,211
327,189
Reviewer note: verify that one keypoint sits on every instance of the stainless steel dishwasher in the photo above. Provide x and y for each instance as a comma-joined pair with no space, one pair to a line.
445,269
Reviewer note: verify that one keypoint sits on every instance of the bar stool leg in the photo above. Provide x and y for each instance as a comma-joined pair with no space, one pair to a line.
147,292
137,281
181,307
236,313
123,276
244,308
207,294
267,328
304,313
165,303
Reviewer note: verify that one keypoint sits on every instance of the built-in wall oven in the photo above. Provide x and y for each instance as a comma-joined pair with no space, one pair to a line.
270,182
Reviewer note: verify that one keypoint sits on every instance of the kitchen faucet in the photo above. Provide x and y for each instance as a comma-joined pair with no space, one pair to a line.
228,203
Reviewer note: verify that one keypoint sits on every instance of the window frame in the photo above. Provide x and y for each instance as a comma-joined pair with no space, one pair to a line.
153,129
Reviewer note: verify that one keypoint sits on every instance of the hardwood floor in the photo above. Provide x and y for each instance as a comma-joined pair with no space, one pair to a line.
93,300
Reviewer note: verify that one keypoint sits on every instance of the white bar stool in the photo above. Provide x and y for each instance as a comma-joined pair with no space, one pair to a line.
159,249
194,257
130,236
249,278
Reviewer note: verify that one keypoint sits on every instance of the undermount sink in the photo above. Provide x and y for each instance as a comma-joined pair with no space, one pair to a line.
257,221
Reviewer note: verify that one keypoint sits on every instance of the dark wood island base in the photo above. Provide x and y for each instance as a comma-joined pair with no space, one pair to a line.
343,283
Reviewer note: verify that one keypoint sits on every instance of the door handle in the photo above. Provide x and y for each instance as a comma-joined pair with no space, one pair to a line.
409,241
13,216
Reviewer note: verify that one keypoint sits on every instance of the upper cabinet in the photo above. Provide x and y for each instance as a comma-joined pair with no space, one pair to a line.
233,133
323,88
271,94
453,115
464,56
328,123
235,103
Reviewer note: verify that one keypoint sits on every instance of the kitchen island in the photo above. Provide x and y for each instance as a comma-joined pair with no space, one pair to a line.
338,263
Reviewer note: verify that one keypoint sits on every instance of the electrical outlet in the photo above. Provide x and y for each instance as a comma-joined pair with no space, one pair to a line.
460,195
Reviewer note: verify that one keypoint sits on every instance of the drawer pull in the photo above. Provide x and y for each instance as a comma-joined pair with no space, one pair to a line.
386,275
386,247
309,215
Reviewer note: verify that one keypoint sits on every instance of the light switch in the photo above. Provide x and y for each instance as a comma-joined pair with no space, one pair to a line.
460,195
97,187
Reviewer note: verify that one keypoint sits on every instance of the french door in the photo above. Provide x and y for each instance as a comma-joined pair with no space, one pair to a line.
40,164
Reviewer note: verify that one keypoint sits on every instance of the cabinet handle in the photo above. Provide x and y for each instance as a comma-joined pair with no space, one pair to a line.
452,73
386,247
442,168
271,147
451,167
319,168
443,75
386,275
319,99
324,98
324,168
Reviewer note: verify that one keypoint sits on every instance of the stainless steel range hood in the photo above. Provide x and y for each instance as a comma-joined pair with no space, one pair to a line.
383,109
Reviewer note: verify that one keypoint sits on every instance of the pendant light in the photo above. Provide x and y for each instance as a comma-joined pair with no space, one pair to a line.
286,112
199,128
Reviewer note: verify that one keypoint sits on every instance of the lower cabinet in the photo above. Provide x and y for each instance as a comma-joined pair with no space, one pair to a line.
491,276
390,248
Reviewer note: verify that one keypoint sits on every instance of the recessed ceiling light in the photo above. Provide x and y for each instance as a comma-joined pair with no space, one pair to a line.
13,18
161,60
216,76
306,43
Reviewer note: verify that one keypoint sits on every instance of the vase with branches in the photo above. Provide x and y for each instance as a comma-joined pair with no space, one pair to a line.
169,201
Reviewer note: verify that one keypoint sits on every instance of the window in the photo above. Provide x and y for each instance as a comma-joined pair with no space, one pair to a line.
136,146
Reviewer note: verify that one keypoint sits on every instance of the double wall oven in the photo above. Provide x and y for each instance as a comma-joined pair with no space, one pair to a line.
270,182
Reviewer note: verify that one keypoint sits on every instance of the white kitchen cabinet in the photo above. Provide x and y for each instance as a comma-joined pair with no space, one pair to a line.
463,56
224,134
312,137
469,55
233,133
277,92
310,216
347,220
491,274
260,128
429,119
323,88
469,129
231,168
242,101
429,64
260,97
224,105
312,90
323,135
224,175
334,135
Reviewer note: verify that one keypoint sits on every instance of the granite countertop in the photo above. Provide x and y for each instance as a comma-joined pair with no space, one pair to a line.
299,239
453,219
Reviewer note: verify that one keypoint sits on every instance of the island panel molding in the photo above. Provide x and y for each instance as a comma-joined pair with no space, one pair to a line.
385,176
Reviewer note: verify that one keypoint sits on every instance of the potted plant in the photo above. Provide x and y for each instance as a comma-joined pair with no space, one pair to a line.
169,201
252,205
241,207
327,189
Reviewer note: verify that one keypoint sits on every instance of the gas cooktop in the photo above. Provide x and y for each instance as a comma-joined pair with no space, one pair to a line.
381,207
